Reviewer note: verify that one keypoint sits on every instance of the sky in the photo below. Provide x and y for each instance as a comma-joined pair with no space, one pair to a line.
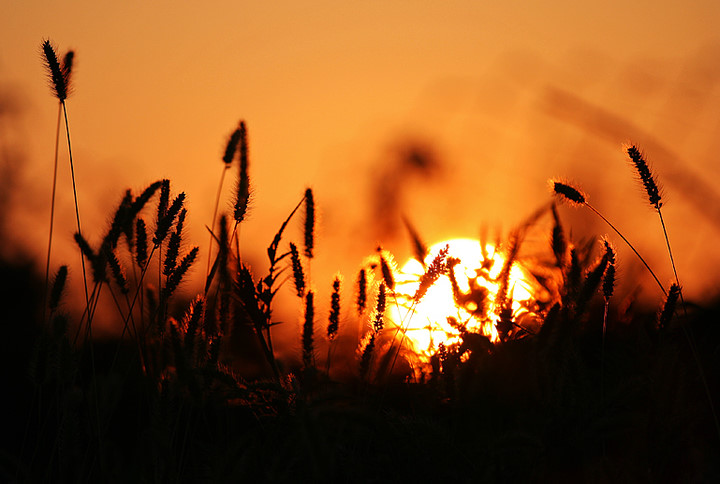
494,98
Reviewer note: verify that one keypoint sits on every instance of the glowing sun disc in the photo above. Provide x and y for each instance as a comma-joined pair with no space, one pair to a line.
476,273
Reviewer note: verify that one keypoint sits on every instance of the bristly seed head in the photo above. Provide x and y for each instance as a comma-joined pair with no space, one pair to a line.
568,192
66,68
608,286
163,225
362,291
52,65
309,223
437,267
242,195
386,267
231,147
378,320
141,247
334,317
668,309
298,273
57,287
646,176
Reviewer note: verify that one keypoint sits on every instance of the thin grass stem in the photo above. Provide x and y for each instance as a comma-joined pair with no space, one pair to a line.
77,209
52,206
629,245
214,218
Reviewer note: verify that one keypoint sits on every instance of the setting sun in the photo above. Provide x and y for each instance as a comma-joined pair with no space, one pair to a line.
445,311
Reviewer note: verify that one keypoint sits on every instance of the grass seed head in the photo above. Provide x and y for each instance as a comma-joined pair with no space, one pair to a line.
117,270
379,319
362,291
66,69
568,193
437,268
231,147
309,225
164,224
646,177
58,82
297,268
668,309
367,345
242,192
141,247
57,287
334,317
387,268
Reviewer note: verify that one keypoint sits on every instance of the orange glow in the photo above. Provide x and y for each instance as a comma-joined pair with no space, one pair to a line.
428,321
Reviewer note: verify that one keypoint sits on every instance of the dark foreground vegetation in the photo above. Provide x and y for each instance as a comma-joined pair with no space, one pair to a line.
536,409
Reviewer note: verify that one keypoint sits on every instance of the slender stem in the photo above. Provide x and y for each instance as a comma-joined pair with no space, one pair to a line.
667,242
77,209
629,245
214,218
52,208
410,312
86,313
687,332
139,290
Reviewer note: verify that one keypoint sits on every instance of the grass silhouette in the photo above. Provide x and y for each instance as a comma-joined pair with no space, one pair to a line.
194,390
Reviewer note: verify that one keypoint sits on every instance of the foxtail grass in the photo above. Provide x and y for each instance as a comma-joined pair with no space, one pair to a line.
60,76
231,149
309,224
308,345
575,197
387,268
420,250
242,194
361,300
441,264
297,270
333,318
650,184
57,288
437,268
367,346
608,288
669,307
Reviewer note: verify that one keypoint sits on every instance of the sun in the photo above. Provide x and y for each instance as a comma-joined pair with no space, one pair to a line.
444,312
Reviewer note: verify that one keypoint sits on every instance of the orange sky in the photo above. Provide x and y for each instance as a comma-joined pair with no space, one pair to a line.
505,94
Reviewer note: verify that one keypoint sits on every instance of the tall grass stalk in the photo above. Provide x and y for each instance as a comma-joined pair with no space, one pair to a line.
650,184
60,78
577,198
437,268
333,318
308,345
228,157
52,204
